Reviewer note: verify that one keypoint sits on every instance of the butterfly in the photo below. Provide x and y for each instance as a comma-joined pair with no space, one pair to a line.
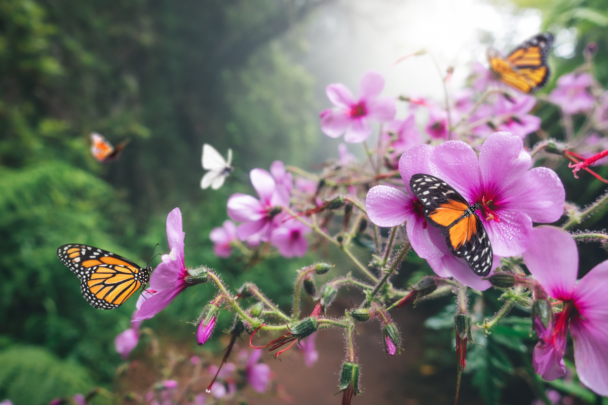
525,69
103,150
106,279
218,168
446,209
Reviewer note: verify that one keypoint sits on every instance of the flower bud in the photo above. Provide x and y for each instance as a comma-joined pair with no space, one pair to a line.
336,203
542,319
257,309
391,338
349,378
322,268
327,295
360,314
305,327
362,226
463,326
504,279
425,286
196,276
244,292
348,210
205,327
309,286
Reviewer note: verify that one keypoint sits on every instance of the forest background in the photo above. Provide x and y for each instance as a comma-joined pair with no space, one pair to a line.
169,76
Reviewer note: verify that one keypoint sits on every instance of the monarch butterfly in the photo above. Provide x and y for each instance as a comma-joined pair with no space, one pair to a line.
446,209
218,168
525,69
106,279
103,150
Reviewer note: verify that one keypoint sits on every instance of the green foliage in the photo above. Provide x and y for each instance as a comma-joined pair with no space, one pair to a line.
32,375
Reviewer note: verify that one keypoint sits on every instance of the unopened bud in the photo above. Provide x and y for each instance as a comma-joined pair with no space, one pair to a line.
244,292
257,309
463,326
349,377
391,338
304,328
425,286
328,294
348,210
336,203
360,314
207,324
362,226
322,268
542,318
196,276
504,279
309,286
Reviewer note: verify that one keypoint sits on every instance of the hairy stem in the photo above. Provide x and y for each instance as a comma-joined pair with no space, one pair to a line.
388,272
577,219
254,290
487,325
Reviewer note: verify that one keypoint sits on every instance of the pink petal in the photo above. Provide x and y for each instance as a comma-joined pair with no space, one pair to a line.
219,236
590,355
415,161
381,109
230,229
156,303
263,183
175,234
456,163
245,208
552,258
449,265
387,207
548,361
246,230
168,274
222,250
340,95
371,85
256,355
591,297
539,193
420,238
358,131
502,161
126,342
258,377
510,236
334,123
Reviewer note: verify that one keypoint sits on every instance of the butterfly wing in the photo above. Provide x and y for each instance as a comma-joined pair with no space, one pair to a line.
101,148
447,210
533,53
212,160
218,181
210,178
107,280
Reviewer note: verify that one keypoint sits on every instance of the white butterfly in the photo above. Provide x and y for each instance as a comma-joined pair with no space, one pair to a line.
218,168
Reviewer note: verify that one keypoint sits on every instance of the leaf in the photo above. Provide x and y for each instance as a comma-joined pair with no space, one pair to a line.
490,366
443,320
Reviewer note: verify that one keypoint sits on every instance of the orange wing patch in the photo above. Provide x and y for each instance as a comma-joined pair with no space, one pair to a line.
112,286
463,231
446,214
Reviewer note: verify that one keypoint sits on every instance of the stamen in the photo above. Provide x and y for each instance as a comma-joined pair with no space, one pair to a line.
251,338
583,164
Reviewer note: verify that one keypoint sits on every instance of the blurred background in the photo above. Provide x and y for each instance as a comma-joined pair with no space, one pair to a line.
241,74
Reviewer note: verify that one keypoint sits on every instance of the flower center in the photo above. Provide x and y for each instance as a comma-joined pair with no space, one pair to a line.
488,208
295,234
358,110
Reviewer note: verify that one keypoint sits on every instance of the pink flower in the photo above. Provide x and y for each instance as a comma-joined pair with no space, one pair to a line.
222,239
255,214
514,114
307,345
258,374
345,157
352,116
283,178
483,78
401,136
306,186
225,386
204,330
126,341
79,399
169,277
437,126
463,100
552,258
288,237
389,346
571,93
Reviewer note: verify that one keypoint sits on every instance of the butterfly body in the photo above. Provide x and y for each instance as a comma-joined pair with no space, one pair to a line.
106,279
525,69
103,150
447,210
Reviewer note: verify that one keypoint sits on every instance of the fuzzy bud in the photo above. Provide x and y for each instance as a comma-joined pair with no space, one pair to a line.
360,314
309,286
197,276
349,377
391,338
304,328
327,295
207,324
257,309
244,292
542,318
322,268
463,326
504,279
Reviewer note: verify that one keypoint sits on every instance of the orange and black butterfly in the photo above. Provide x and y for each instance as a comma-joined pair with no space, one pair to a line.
106,279
525,69
446,209
103,150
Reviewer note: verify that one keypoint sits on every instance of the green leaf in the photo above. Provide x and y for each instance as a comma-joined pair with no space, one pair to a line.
443,320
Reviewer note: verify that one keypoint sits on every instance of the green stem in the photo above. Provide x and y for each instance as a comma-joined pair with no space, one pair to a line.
301,172
462,300
577,219
353,229
332,322
359,265
230,298
350,345
593,236
298,288
368,152
253,289
487,325
356,203
349,280
377,238
389,272
389,246
312,226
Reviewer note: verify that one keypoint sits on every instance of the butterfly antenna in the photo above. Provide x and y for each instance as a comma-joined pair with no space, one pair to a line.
152,257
